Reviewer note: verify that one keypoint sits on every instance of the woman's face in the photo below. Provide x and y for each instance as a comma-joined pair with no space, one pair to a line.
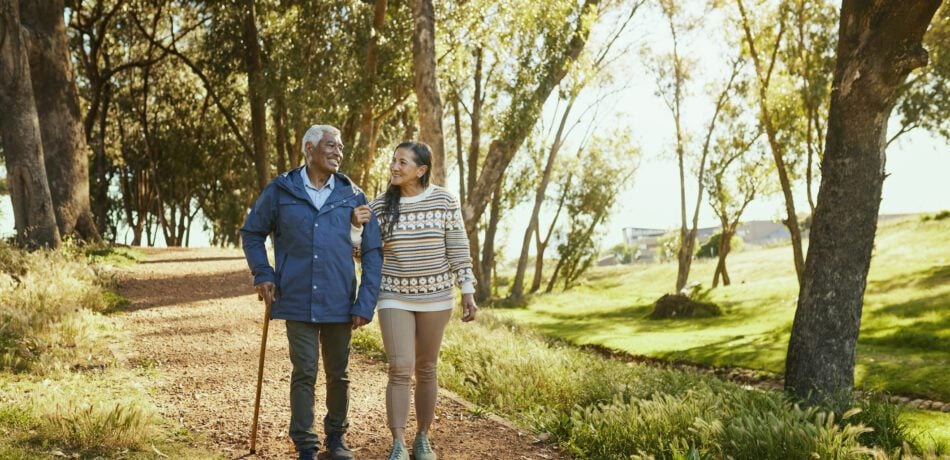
404,170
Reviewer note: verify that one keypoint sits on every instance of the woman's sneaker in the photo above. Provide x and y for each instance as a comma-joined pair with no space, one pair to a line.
399,452
421,449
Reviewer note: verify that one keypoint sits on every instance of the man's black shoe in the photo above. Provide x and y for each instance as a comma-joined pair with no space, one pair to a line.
336,447
308,454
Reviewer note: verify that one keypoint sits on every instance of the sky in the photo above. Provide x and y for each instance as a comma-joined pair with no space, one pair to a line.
917,163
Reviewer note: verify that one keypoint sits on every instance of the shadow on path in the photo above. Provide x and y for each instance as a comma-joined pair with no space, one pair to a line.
184,289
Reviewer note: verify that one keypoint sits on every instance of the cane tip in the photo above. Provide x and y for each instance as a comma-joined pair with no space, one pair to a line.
253,451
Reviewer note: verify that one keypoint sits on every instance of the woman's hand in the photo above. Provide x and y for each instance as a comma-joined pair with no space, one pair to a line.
469,309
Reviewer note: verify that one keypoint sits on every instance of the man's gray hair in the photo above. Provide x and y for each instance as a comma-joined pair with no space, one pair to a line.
314,135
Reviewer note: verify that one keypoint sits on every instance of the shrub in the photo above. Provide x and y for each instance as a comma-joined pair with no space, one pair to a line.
680,306
623,252
710,248
44,294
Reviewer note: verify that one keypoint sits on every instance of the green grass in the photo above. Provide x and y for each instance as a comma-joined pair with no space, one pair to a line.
597,407
61,391
905,331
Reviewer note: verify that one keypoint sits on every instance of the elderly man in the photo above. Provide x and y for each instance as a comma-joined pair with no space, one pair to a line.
313,213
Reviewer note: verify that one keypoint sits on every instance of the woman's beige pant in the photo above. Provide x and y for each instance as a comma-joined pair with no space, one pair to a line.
412,340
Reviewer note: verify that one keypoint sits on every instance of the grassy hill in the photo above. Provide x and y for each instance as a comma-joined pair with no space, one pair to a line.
904,345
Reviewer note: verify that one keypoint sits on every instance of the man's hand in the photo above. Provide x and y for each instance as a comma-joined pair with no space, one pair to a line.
360,216
266,291
469,309
359,321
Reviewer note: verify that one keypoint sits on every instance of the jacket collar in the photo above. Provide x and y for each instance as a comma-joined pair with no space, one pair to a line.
292,182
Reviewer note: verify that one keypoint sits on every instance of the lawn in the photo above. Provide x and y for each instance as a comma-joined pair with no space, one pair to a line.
904,345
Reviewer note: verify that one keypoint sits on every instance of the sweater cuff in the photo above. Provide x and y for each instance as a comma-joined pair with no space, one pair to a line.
468,287
356,235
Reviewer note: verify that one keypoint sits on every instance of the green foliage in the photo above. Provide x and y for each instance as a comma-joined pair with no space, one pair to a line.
938,216
4,188
924,99
606,167
623,252
710,248
667,246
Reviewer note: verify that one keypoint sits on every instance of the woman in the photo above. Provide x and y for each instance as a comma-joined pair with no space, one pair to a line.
424,248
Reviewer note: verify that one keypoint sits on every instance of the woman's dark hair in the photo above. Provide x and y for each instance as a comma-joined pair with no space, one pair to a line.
422,156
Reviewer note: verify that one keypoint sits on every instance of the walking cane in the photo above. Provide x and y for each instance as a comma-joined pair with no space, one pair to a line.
260,373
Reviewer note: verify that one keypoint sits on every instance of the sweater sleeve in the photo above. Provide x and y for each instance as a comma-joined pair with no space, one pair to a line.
456,244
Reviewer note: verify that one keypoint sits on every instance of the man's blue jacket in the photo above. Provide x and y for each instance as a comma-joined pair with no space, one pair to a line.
315,275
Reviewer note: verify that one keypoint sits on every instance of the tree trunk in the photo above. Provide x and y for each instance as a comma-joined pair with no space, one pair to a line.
541,245
554,276
517,286
524,110
362,158
474,148
429,102
879,44
101,168
255,94
280,132
483,291
725,246
57,104
539,248
33,213
458,147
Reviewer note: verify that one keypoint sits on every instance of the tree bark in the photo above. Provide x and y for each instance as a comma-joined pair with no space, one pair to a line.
33,213
879,43
57,104
429,101
255,94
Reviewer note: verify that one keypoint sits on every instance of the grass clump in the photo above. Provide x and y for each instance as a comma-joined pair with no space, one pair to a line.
89,414
48,298
61,391
597,407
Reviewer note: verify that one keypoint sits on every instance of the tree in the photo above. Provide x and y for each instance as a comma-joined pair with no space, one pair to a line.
763,72
33,212
808,54
673,73
591,68
604,170
66,155
879,44
736,175
564,43
429,101
255,93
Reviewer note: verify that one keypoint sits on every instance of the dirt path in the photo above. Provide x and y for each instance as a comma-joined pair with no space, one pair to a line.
194,318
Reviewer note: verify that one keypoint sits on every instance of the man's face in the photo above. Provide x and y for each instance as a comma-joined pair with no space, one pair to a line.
327,155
